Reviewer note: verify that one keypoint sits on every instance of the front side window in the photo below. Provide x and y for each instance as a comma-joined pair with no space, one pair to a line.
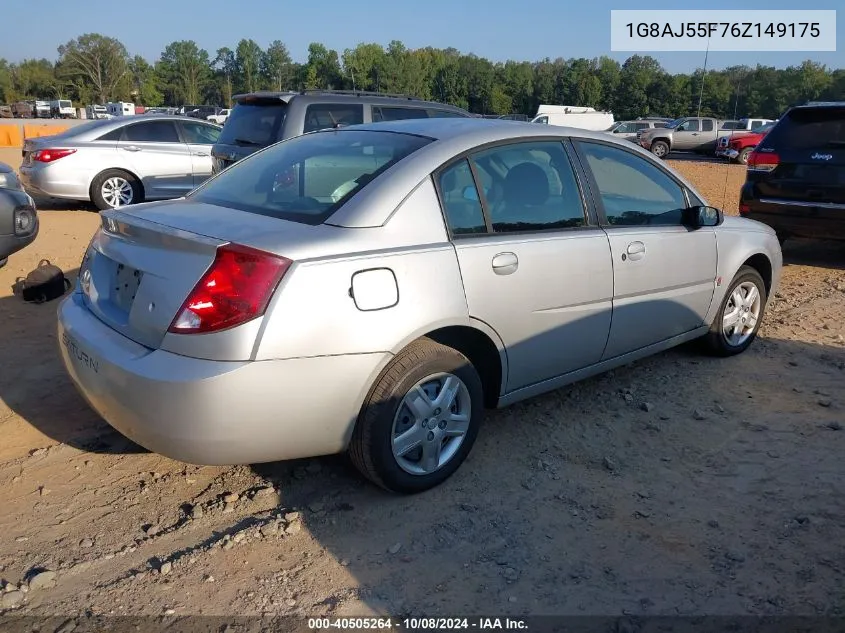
633,191
542,119
461,202
323,116
199,134
307,178
688,126
152,132
530,187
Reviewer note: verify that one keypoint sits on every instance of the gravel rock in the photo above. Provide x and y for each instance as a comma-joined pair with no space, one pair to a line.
293,528
231,497
834,426
737,557
394,549
197,512
166,568
825,402
698,414
43,580
11,599
264,492
37,452
290,517
610,465
316,507
647,407
86,543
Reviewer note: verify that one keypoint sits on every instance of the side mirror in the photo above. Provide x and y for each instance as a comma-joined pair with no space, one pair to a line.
703,216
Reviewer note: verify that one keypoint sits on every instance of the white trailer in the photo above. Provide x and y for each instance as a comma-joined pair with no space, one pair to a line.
62,109
120,108
580,117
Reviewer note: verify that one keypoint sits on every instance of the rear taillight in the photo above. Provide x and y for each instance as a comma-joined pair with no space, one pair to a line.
760,161
744,208
50,155
235,289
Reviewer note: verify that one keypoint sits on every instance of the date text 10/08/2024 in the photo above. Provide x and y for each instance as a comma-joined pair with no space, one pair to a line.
724,29
418,624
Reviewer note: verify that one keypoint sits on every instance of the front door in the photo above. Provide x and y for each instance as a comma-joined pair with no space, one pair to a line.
199,139
533,267
154,152
687,136
664,272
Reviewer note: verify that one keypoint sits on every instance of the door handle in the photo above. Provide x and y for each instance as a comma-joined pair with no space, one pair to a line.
131,148
695,133
505,263
200,154
635,251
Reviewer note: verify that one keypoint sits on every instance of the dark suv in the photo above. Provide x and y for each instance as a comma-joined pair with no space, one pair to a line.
260,119
796,176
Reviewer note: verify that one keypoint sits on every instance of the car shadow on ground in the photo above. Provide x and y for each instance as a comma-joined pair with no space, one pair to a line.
824,254
662,488
35,385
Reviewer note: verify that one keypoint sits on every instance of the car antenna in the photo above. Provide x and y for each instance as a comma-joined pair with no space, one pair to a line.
730,137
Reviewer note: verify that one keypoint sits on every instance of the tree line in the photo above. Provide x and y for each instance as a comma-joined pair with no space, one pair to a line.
93,68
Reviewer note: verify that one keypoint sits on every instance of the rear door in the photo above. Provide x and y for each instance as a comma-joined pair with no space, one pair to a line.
199,138
809,144
534,267
154,151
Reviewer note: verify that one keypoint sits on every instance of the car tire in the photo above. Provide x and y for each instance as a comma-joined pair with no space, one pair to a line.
115,177
717,341
385,416
660,149
742,159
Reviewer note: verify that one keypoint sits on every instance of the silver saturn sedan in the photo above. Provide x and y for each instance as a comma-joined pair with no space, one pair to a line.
375,288
121,161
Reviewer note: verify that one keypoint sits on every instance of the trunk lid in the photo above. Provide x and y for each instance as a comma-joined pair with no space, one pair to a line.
810,145
146,259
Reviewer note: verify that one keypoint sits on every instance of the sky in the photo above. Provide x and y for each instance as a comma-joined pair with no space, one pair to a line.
495,29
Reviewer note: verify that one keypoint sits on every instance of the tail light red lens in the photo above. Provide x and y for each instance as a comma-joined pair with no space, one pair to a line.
760,161
50,155
235,289
744,208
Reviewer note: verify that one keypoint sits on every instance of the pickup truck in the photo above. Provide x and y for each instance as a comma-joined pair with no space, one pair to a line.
739,147
220,117
743,128
690,134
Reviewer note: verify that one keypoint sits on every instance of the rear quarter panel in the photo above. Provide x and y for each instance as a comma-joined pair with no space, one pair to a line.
314,314
738,240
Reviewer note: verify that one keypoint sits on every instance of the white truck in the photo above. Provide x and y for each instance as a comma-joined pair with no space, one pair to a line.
42,109
580,117
62,109
120,108
220,117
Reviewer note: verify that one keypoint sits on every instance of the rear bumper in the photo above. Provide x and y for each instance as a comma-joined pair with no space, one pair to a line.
211,412
46,181
796,218
10,244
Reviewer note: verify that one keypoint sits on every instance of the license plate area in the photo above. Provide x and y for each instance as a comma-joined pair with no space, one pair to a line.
127,280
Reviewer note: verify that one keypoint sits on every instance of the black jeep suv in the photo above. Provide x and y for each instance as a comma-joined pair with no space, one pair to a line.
795,181
260,119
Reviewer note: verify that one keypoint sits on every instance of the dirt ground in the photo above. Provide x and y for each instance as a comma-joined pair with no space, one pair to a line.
679,485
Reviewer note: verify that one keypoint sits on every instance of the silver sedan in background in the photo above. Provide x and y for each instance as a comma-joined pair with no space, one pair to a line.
375,288
121,161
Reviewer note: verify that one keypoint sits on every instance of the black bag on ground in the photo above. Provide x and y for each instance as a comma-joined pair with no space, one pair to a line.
45,283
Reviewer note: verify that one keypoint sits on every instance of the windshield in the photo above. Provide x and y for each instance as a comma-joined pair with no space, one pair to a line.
307,178
809,128
254,124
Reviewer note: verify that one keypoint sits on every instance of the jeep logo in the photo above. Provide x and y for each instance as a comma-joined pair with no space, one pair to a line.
78,354
818,156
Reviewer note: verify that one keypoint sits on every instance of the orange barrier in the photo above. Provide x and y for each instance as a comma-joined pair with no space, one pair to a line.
33,131
10,136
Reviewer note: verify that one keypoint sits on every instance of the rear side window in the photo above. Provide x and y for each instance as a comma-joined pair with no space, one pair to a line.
460,200
199,134
152,132
323,116
254,124
707,125
809,128
114,135
307,178
382,113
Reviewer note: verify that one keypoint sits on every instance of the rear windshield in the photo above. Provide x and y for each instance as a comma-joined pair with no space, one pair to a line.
809,128
307,178
254,124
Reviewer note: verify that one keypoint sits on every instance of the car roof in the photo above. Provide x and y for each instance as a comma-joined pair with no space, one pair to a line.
94,128
452,137
344,96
